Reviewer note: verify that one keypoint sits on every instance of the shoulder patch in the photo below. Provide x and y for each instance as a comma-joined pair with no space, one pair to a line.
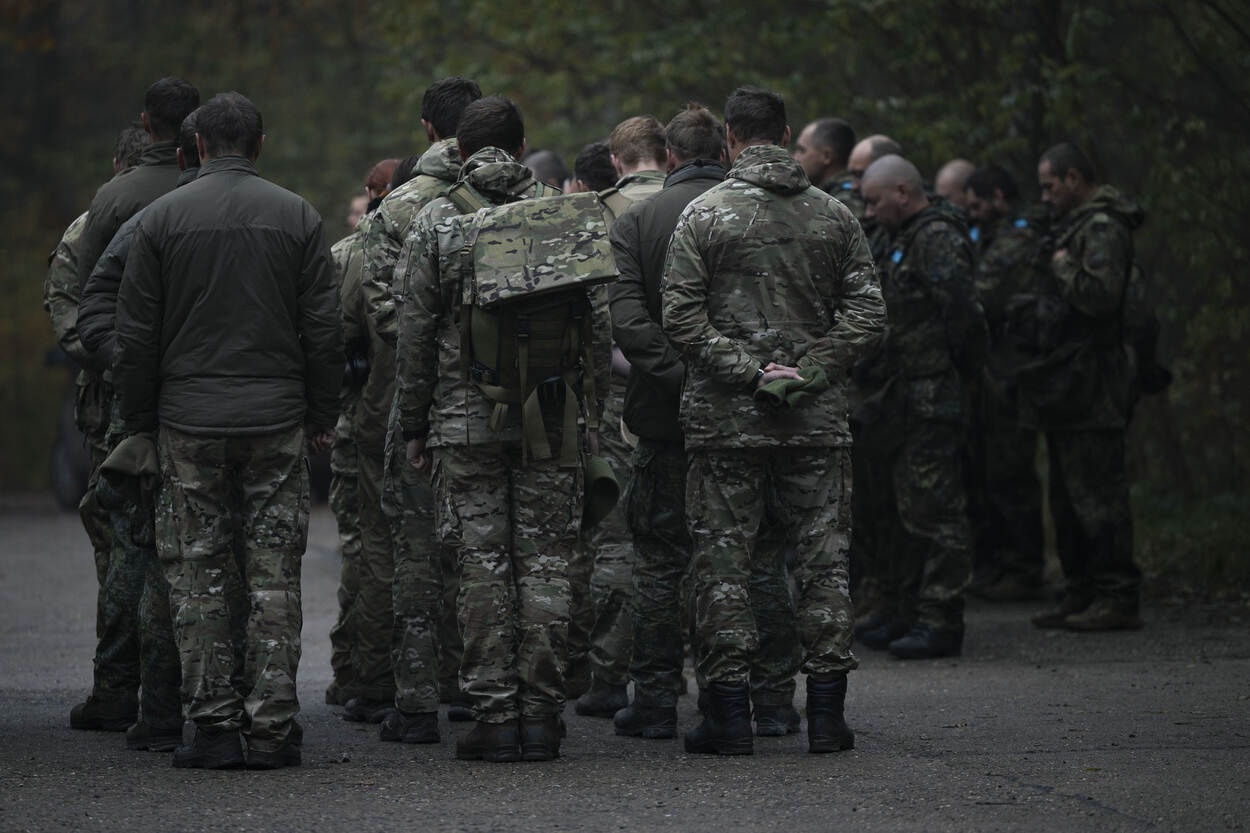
974,233
897,255
1021,223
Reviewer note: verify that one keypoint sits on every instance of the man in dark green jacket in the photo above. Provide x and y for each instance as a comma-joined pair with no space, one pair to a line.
230,349
166,103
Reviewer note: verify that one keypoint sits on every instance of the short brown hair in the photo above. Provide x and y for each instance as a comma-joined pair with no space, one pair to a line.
695,133
637,139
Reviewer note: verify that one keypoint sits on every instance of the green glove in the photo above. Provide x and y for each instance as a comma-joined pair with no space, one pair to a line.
787,394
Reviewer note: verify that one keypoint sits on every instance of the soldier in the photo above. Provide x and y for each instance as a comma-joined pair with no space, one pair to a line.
112,704
593,169
950,182
637,149
824,149
357,209
1077,388
655,503
510,510
936,340
766,248
344,468
134,559
61,294
1008,492
866,152
547,166
389,227
234,392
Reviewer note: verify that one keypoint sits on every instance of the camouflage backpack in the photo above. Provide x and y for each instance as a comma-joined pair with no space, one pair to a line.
525,317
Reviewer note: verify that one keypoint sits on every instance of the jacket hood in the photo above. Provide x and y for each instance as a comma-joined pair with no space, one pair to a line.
496,174
770,167
696,169
1108,200
441,161
164,152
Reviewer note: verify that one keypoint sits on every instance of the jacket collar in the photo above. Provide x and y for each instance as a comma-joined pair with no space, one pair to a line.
696,169
228,164
164,152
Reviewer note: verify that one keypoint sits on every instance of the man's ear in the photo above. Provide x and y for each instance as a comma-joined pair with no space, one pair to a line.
199,147
429,131
147,123
259,145
785,137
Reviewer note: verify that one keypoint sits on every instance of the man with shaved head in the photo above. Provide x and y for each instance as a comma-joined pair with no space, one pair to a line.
931,350
862,155
824,149
950,181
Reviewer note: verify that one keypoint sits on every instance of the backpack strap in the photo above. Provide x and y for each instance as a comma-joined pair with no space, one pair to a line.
615,202
467,199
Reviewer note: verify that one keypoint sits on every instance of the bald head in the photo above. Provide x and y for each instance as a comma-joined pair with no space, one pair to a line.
867,151
951,179
893,191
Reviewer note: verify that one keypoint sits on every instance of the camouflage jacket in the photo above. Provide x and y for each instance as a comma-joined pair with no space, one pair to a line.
1083,381
937,335
62,292
1005,264
632,187
348,259
840,189
437,170
434,400
764,267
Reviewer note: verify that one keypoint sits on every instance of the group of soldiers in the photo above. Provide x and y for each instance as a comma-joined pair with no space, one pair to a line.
729,333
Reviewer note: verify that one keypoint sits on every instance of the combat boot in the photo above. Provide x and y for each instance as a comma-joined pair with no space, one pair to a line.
154,737
927,642
336,695
638,720
367,710
101,715
776,721
287,753
211,750
1105,615
726,726
826,724
494,742
602,700
540,738
402,726
1071,604
879,630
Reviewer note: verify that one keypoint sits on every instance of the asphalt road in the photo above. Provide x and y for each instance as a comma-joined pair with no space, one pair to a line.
1030,730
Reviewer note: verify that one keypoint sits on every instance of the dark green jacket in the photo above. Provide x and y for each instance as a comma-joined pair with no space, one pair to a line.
121,197
228,315
640,239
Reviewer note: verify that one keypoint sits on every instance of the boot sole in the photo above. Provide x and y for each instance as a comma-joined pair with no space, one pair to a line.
650,733
740,747
538,753
498,757
158,744
820,746
219,763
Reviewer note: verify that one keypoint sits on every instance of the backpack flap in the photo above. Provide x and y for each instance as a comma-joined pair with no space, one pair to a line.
533,247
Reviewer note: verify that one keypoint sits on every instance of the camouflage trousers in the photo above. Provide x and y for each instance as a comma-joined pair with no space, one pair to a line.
400,592
1093,522
223,498
513,526
921,557
1004,492
655,508
136,647
407,499
345,503
611,581
93,403
812,490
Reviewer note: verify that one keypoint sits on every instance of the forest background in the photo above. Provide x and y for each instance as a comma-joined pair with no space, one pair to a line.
1157,92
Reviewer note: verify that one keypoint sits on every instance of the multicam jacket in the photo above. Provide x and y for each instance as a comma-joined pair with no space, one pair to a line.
763,268
434,399
436,171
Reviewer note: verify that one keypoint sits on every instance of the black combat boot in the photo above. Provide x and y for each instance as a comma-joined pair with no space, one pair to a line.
152,736
287,753
776,721
211,750
927,642
602,700
878,631
1057,617
418,727
1106,615
826,724
367,710
540,738
105,715
494,742
639,720
726,726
